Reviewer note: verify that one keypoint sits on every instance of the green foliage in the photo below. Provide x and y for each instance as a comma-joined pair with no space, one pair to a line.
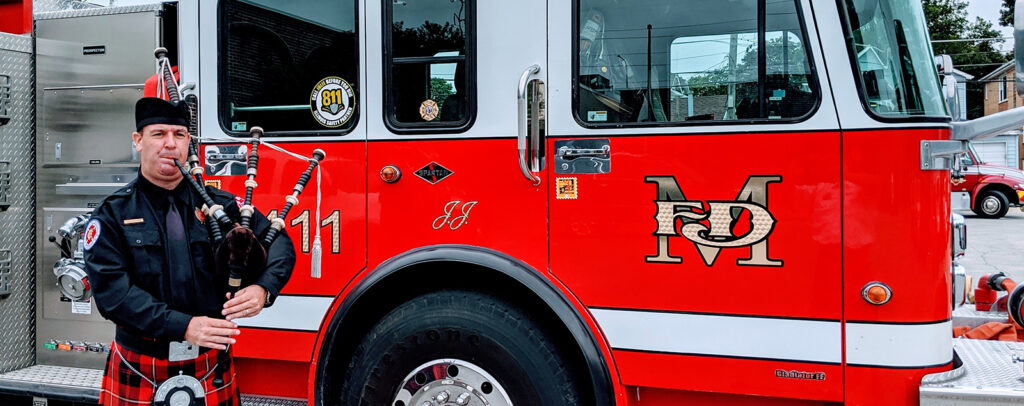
440,89
716,81
947,19
710,84
1006,13
427,39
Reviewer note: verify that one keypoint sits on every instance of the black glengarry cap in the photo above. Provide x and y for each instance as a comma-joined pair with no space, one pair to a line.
152,110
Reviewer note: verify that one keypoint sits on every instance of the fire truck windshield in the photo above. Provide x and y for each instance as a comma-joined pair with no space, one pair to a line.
893,56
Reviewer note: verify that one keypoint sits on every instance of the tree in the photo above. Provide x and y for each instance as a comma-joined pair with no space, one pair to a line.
716,81
440,89
1006,13
947,19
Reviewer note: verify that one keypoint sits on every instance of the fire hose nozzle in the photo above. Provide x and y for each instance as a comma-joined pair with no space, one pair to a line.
995,281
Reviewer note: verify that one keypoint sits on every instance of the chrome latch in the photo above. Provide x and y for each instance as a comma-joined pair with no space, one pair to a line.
5,186
5,99
570,153
583,156
5,273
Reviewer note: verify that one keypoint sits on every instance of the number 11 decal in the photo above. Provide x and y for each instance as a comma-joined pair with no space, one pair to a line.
303,220
335,221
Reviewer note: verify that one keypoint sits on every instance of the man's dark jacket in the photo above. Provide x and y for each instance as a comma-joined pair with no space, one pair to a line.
134,285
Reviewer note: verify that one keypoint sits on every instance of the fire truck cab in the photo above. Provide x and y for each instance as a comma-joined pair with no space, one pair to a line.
588,202
989,190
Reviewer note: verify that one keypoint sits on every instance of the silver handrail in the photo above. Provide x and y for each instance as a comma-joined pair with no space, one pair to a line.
286,107
523,165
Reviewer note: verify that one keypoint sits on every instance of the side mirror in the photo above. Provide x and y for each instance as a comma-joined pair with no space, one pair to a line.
944,64
952,95
1018,46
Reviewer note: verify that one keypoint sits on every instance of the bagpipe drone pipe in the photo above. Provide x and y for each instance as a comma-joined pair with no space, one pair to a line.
237,248
238,252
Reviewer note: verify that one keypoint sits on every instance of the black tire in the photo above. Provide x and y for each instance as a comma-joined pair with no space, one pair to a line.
991,204
481,329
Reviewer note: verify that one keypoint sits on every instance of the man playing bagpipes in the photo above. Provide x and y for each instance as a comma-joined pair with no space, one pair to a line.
161,273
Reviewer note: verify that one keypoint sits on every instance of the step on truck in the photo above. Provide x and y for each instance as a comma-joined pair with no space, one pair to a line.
587,202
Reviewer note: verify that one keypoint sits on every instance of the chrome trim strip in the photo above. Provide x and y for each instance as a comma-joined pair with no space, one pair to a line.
304,313
731,336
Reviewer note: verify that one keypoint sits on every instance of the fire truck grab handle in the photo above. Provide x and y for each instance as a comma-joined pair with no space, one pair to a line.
523,166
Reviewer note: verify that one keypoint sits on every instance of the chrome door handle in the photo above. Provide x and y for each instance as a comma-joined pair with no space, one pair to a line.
570,153
523,130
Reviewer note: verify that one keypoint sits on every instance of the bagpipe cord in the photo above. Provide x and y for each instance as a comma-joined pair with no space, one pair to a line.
164,89
317,250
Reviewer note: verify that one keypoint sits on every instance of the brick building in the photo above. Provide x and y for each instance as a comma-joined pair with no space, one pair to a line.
1005,149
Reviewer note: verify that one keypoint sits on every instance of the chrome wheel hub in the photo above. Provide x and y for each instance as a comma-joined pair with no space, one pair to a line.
990,205
450,382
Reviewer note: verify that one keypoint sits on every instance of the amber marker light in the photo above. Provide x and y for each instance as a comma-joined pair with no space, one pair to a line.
390,174
876,293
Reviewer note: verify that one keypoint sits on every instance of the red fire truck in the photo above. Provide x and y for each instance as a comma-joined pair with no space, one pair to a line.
987,189
586,202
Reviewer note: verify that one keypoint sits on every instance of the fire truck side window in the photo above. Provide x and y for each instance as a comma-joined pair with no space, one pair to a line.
428,65
890,46
289,67
656,61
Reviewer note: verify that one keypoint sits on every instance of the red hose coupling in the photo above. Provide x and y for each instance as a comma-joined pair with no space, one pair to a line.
984,295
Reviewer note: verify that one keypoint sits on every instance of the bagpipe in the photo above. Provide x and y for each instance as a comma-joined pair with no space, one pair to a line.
238,251
237,248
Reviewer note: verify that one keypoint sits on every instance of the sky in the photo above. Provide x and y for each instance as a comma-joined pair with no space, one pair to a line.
989,10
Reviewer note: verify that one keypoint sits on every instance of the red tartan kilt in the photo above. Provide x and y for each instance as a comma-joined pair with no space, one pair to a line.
123,387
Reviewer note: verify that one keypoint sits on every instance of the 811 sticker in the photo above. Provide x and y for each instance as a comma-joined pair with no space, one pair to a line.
332,102
92,233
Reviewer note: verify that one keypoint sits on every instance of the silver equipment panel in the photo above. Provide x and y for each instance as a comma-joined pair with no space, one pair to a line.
88,77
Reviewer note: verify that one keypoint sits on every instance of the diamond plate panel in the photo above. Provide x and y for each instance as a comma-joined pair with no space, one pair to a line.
91,380
77,385
250,400
17,146
991,375
967,315
48,6
53,13
16,43
55,375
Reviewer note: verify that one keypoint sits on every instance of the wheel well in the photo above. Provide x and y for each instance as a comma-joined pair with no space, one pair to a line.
417,279
1007,191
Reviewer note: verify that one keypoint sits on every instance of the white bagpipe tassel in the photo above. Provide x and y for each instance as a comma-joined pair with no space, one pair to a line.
314,262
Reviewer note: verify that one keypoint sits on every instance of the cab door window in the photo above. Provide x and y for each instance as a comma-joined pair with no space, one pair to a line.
290,67
889,44
428,65
650,62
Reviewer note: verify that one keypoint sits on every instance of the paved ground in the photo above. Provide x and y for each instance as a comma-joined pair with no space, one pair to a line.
995,245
